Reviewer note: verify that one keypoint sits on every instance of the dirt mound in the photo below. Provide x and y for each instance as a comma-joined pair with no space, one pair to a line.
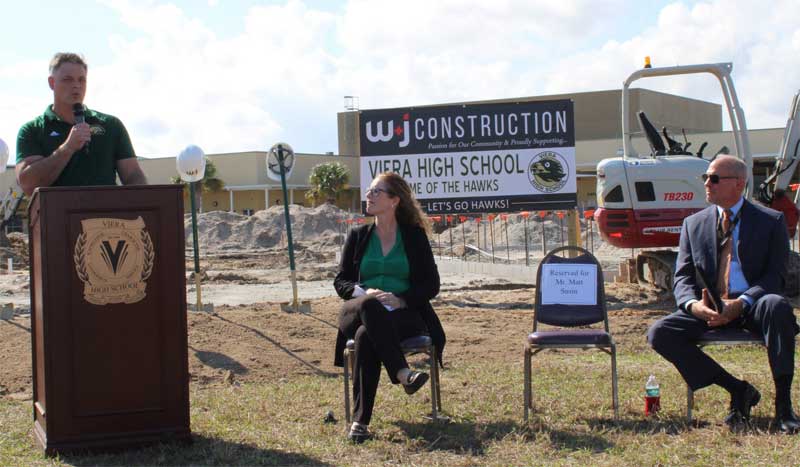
17,250
221,230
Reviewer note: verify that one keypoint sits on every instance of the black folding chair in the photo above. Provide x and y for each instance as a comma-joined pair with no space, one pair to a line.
410,346
566,312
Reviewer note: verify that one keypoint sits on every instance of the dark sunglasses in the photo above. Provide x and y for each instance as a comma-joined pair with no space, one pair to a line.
714,178
377,191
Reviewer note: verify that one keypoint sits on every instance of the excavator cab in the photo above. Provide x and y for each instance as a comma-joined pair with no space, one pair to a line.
642,200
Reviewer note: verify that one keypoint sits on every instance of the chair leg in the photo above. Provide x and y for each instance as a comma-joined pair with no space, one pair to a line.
347,366
614,387
434,404
527,396
435,377
689,403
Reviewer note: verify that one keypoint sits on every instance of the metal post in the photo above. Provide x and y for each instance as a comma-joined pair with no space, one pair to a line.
527,259
295,302
504,217
544,237
196,246
450,229
463,236
491,231
478,231
439,240
485,236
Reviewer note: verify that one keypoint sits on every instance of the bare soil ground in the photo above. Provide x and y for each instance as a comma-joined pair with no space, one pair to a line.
248,338
484,319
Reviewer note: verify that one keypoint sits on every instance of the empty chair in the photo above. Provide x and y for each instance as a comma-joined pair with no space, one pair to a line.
569,293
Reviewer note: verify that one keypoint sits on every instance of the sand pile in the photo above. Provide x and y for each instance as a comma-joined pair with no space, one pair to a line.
17,250
221,230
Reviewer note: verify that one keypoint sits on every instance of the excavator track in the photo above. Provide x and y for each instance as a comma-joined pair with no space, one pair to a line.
656,268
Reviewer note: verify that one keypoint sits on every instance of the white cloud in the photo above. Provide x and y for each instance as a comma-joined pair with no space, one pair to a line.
175,81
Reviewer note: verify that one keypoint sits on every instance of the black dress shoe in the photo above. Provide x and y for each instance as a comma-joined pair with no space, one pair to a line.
741,402
415,380
359,433
787,422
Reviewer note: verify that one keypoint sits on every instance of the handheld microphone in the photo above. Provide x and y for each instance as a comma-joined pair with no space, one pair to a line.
80,117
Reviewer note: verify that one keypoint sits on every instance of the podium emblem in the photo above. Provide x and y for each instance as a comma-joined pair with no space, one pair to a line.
113,258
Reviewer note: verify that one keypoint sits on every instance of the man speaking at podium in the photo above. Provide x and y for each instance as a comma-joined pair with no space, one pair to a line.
70,145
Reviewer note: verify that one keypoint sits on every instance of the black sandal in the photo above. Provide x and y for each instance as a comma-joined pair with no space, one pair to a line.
415,380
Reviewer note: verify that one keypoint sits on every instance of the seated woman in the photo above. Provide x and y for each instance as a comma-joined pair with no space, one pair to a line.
388,277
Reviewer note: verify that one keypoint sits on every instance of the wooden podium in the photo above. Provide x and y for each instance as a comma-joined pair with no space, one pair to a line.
108,317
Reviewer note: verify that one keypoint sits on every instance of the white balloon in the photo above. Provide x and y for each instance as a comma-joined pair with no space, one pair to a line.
3,155
191,163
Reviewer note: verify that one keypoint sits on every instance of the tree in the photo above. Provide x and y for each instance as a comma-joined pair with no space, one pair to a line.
327,181
210,182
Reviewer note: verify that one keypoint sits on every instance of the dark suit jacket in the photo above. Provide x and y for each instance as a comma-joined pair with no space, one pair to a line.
763,249
423,277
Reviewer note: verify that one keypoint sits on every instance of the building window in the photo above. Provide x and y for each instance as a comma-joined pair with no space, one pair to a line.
247,212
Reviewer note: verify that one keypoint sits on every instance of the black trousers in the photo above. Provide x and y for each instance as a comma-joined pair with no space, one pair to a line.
377,333
771,317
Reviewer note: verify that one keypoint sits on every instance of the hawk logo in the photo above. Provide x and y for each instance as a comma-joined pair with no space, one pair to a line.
381,135
548,172
113,258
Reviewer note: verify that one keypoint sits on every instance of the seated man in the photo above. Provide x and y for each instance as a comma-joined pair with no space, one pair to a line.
745,247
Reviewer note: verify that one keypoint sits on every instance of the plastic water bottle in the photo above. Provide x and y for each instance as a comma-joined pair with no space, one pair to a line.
652,396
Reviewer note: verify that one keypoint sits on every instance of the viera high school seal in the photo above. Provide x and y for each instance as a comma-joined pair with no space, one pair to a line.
113,258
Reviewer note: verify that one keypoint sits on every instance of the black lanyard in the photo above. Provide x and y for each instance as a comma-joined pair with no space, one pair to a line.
722,237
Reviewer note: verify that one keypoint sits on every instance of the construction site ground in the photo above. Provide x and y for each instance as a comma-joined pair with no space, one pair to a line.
249,338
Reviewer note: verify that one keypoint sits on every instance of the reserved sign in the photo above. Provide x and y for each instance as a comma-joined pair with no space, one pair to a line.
569,284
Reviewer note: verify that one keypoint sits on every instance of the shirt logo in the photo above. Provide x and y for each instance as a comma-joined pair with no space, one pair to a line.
54,133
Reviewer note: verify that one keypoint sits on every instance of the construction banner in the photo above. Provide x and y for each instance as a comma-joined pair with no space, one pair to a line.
476,158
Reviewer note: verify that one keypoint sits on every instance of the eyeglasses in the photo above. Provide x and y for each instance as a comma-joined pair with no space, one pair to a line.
714,178
377,191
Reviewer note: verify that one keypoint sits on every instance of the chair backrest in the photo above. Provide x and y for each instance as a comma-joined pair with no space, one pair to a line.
570,291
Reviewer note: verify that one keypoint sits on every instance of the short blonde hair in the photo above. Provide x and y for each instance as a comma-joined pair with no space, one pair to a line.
66,57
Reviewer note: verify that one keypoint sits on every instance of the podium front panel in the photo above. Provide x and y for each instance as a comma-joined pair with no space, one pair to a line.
109,297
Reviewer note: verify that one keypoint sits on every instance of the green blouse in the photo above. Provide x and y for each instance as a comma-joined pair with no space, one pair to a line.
388,273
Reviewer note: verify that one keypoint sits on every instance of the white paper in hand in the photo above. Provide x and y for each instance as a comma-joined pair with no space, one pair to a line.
358,291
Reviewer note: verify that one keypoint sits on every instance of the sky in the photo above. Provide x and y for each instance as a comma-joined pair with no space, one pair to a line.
237,75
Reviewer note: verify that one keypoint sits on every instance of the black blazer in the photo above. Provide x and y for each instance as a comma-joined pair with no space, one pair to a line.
423,277
763,250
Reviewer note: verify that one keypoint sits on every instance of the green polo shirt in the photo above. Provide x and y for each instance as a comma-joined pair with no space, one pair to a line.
388,273
96,165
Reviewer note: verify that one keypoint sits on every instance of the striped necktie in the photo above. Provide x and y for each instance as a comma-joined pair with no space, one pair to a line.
725,252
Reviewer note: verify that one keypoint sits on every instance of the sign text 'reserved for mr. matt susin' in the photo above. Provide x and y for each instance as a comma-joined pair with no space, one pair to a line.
476,158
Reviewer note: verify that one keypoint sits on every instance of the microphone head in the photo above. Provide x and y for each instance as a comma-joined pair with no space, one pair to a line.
78,112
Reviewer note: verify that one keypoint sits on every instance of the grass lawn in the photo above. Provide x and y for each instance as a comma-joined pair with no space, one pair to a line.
572,424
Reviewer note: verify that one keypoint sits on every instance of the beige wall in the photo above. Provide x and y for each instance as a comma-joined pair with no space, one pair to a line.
597,114
587,191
